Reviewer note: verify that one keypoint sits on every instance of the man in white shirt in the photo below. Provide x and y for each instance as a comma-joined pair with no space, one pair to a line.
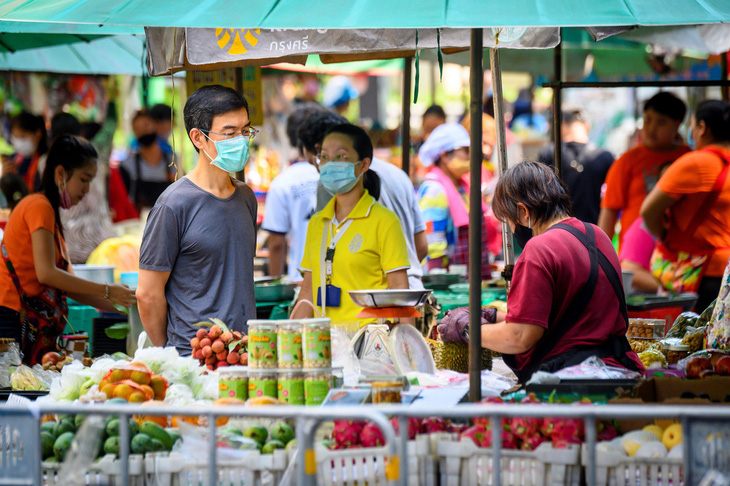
290,203
396,192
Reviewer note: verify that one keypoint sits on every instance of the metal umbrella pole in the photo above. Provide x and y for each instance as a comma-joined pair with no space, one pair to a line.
406,119
498,98
476,219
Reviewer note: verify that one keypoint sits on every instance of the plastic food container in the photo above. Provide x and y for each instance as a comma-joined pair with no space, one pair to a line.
387,392
317,344
262,344
289,343
677,352
262,383
646,328
317,383
290,386
233,382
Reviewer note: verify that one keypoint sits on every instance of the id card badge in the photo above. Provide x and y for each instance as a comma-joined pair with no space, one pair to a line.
333,296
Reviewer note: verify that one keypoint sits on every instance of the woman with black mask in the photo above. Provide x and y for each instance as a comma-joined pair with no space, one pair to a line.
148,170
566,302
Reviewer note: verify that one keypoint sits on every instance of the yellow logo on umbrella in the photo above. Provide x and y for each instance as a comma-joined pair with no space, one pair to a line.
231,40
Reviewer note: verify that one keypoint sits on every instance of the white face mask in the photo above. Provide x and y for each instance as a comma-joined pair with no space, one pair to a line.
23,146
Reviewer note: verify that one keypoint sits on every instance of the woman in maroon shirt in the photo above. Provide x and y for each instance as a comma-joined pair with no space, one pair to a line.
566,302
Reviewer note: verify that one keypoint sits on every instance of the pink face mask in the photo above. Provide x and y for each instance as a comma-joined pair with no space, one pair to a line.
64,196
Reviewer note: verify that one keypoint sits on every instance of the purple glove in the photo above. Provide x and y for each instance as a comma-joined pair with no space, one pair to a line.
454,327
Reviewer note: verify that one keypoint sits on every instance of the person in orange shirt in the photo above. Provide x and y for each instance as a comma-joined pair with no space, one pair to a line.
689,209
636,172
35,274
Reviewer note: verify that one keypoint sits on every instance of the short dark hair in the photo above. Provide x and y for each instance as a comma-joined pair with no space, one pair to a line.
141,114
161,112
435,110
32,123
716,115
208,102
71,153
572,114
364,148
64,124
667,104
537,187
315,127
297,118
13,188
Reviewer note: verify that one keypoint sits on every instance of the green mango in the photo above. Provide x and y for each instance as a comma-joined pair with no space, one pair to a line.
47,441
112,428
62,445
65,425
111,446
272,445
141,443
49,427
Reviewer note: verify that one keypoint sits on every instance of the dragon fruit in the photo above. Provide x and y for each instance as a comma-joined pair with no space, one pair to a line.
565,431
346,433
524,427
509,439
476,433
457,428
606,431
530,443
414,426
434,424
371,436
484,422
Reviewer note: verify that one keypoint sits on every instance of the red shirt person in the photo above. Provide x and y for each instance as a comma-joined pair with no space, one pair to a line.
566,303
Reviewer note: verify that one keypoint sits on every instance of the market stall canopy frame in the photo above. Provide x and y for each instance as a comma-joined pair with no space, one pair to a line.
368,14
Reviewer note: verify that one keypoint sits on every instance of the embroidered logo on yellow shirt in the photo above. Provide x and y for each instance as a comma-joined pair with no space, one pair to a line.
356,243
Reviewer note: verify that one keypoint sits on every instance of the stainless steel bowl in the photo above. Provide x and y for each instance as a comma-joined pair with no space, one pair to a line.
103,274
389,298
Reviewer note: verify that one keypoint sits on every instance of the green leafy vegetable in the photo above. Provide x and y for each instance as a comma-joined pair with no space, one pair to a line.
118,331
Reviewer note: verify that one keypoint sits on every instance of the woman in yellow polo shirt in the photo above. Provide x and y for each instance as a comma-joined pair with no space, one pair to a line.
354,243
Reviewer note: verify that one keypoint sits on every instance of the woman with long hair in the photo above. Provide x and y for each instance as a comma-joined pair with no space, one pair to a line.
35,275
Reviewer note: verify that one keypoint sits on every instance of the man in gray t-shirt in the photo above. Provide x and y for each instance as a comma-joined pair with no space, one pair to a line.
196,259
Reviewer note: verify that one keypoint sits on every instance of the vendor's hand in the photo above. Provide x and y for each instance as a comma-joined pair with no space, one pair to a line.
454,327
8,165
121,295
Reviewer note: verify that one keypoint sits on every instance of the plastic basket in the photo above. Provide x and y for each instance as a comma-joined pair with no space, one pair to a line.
106,472
163,469
366,466
20,449
616,469
468,465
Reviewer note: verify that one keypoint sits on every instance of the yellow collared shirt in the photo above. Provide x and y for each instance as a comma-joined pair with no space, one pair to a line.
371,247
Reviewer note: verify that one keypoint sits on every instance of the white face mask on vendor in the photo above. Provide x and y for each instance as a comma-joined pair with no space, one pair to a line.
23,146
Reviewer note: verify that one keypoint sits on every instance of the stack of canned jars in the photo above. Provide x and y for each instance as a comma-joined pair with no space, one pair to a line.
290,360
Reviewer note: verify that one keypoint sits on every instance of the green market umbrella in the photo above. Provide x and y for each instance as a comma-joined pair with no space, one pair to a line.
103,55
363,14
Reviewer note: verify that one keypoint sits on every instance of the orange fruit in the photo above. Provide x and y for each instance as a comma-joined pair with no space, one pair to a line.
116,375
148,391
123,391
159,385
102,384
108,390
137,397
140,377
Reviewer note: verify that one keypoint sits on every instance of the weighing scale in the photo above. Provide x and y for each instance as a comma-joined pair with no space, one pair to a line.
388,341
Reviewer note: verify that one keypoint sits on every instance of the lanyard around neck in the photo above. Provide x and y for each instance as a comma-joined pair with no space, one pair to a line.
326,257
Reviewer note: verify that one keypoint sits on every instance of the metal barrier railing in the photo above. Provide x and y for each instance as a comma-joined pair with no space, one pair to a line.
309,419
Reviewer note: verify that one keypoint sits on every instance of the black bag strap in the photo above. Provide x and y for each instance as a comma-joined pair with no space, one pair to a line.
603,261
577,306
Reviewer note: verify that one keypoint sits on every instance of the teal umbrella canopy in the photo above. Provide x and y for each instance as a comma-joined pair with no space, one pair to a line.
18,42
105,55
82,31
337,14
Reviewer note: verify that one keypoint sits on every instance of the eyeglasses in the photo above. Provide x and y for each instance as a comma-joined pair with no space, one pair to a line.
322,159
249,133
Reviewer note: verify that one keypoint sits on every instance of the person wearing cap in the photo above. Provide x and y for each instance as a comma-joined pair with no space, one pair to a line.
443,198
338,92
584,165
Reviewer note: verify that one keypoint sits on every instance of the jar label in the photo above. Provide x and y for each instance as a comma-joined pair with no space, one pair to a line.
315,390
291,391
317,348
233,388
265,387
262,349
290,349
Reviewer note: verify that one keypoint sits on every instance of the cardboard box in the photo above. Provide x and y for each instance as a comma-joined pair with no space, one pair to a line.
666,390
